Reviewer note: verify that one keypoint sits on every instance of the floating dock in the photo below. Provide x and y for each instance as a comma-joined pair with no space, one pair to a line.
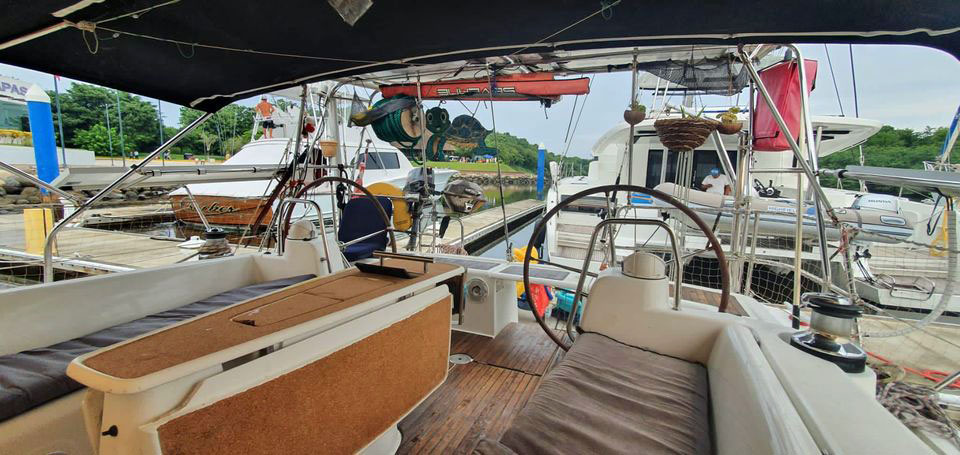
482,228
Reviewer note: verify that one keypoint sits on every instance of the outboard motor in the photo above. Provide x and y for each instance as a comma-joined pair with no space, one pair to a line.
417,194
831,325
461,196
878,202
415,183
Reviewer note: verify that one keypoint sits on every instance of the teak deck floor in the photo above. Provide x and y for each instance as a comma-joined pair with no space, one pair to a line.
480,399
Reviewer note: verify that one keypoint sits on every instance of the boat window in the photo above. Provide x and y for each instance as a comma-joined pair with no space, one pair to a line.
654,168
382,160
670,173
703,161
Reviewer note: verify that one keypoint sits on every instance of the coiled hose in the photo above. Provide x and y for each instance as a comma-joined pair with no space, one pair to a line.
389,128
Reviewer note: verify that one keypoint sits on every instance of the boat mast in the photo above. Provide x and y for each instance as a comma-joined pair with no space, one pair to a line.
631,139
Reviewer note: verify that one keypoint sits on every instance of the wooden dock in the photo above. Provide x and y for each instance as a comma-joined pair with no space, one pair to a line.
96,251
481,228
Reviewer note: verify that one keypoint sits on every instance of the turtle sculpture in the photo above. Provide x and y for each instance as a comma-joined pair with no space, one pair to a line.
465,131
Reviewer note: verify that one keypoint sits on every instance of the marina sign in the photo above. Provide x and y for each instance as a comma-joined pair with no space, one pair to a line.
13,89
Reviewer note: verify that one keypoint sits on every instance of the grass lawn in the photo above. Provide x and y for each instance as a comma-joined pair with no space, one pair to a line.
476,167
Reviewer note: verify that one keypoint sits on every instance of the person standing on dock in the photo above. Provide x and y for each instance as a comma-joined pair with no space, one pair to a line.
716,183
266,110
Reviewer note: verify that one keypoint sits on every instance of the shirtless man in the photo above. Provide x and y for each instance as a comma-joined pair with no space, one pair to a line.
266,110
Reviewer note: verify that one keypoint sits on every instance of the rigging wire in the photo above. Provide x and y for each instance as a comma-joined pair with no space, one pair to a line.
856,111
570,122
853,76
575,125
503,203
833,77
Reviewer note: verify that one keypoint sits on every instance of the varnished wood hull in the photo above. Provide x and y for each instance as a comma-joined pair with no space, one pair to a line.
220,210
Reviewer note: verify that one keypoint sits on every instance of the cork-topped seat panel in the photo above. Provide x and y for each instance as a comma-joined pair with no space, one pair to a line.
257,318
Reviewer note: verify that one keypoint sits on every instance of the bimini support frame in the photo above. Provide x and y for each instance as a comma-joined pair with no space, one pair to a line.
52,236
36,181
809,168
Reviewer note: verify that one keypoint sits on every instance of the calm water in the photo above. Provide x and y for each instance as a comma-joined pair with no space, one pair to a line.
518,238
510,193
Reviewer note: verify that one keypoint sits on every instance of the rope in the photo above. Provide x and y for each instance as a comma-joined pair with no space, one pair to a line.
916,406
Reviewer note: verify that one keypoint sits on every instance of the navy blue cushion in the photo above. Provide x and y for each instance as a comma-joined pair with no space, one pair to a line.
363,250
360,218
31,378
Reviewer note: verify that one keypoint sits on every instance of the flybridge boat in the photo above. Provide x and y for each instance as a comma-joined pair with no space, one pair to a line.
337,342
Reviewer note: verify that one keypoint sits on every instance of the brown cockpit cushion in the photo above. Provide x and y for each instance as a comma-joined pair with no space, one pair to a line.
607,397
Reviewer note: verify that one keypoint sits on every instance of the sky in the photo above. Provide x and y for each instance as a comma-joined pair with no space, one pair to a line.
903,86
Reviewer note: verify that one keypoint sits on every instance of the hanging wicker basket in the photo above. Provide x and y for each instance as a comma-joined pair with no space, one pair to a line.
685,133
729,127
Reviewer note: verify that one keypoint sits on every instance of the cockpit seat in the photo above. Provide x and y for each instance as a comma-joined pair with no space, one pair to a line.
361,218
607,397
31,378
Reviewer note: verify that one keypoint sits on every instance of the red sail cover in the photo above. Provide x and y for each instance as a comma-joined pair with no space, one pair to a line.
508,87
783,82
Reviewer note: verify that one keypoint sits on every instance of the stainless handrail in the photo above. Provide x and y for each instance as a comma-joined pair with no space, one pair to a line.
365,237
677,271
282,236
51,237
462,230
381,255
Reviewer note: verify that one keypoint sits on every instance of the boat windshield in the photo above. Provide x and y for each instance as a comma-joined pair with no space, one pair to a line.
379,160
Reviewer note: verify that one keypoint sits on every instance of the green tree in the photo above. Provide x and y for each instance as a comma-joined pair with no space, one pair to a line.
234,144
207,139
96,139
86,105
233,121
890,147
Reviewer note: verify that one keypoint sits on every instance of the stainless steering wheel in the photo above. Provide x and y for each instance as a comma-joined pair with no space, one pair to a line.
713,244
